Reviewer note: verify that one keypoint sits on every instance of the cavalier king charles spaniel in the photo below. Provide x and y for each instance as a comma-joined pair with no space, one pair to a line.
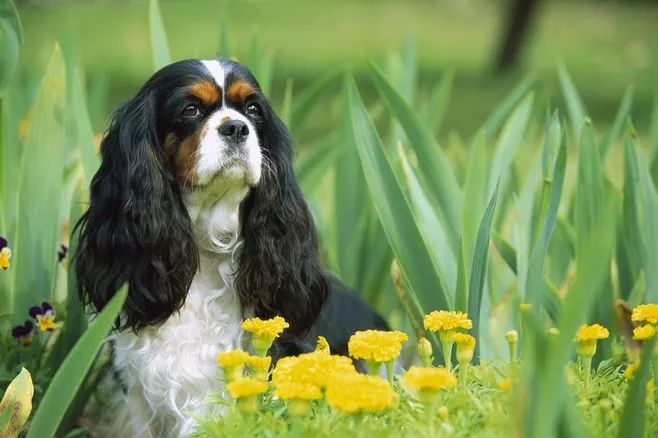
196,207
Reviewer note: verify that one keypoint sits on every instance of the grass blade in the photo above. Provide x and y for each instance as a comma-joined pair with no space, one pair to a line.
633,417
395,212
479,267
308,98
39,192
74,368
11,39
536,284
435,169
438,102
159,45
496,119
620,121
575,107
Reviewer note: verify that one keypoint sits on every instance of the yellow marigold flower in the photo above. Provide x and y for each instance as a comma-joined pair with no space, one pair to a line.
646,312
354,392
245,387
429,378
644,332
442,320
465,347
322,345
259,363
233,358
505,384
315,368
297,391
586,338
591,333
264,332
232,362
376,345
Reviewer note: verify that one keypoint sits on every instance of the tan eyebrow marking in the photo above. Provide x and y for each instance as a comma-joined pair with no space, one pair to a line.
240,91
207,92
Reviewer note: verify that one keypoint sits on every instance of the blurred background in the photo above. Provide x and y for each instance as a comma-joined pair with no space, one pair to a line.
490,44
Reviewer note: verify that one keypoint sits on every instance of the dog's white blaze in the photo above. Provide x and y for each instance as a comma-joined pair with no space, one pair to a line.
216,70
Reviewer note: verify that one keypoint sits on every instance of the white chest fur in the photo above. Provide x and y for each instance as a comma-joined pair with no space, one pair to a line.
169,370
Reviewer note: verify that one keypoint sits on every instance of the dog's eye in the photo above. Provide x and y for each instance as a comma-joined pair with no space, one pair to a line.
253,110
192,110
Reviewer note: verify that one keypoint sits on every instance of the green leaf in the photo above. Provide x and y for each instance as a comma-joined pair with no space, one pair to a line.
40,186
351,215
74,368
575,107
536,285
159,45
438,102
308,98
435,169
429,224
11,39
506,251
479,266
509,141
16,404
89,156
75,321
394,211
316,164
633,417
500,113
620,121
641,216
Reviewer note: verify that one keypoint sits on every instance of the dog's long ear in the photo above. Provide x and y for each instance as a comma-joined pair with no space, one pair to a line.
137,229
279,270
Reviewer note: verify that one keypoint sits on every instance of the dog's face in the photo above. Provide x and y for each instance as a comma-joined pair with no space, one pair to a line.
198,127
212,121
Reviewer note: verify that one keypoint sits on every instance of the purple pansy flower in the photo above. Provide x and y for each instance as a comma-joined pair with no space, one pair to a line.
44,315
23,333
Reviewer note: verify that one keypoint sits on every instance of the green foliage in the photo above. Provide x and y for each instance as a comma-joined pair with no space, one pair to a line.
159,45
74,368
11,38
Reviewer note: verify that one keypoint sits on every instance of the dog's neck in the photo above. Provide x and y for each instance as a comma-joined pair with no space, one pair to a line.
215,215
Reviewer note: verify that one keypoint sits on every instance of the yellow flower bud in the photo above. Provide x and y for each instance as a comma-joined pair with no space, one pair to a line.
512,336
425,351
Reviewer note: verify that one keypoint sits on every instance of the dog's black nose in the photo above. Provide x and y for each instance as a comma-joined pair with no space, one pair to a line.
235,130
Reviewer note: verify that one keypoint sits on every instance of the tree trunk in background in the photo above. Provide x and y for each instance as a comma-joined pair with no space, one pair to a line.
519,16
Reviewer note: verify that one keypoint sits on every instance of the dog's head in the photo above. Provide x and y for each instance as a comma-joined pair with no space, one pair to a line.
197,126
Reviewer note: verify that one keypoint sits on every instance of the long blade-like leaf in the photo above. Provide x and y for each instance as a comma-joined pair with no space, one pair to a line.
632,422
39,194
395,212
479,266
159,45
11,38
575,107
620,121
434,166
74,368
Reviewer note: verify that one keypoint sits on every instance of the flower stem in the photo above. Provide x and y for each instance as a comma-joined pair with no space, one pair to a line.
373,367
463,373
446,347
512,351
389,371
586,362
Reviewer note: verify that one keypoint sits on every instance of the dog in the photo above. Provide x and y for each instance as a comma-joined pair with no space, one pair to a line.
196,207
